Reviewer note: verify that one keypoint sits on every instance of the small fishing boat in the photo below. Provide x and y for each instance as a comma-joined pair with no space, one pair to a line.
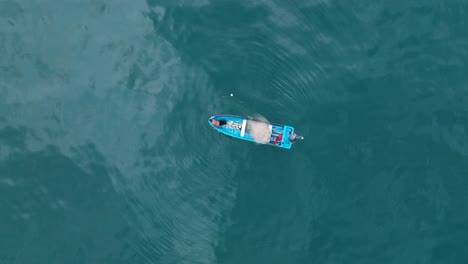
257,131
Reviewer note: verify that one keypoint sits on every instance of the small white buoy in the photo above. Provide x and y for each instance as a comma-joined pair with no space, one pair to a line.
232,94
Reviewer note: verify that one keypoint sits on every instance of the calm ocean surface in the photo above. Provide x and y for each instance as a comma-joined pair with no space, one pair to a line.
106,155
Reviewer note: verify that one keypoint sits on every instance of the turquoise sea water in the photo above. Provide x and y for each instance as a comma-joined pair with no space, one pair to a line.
106,155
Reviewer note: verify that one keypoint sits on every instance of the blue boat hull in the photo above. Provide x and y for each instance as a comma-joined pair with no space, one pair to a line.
238,127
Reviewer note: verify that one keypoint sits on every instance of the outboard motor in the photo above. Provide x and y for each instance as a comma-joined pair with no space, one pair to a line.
293,137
